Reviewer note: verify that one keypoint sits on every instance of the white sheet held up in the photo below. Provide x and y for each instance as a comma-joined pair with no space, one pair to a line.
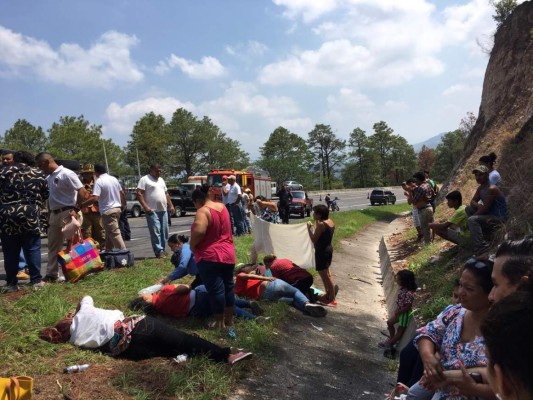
285,241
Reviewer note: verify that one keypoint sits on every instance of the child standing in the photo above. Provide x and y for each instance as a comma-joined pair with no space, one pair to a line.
404,304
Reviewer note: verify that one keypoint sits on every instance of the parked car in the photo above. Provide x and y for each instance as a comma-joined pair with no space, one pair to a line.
133,207
293,185
182,201
382,196
301,204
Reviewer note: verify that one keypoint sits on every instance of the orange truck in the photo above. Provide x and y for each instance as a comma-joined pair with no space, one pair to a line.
259,182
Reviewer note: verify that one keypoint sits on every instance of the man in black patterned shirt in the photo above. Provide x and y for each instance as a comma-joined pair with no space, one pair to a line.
23,190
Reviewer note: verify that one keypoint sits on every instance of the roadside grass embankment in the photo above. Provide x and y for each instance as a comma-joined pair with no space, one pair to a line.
24,314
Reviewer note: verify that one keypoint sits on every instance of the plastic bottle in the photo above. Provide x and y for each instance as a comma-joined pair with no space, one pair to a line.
76,368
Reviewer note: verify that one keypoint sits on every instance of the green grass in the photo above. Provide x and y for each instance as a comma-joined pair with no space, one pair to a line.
23,353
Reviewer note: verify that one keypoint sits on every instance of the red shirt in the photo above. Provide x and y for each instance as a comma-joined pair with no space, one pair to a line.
217,244
249,288
286,270
168,302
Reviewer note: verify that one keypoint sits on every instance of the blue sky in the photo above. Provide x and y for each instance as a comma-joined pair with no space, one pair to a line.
250,65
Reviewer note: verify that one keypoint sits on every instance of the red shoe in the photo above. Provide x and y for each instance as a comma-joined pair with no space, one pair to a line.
328,303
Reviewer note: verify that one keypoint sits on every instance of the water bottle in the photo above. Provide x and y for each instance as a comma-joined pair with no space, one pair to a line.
75,368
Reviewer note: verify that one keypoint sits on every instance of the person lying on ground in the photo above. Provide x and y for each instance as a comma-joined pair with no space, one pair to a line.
137,337
183,261
456,328
286,270
455,229
404,307
179,301
257,287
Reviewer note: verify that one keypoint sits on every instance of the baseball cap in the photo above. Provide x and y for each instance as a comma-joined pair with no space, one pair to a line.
247,190
232,177
224,177
481,168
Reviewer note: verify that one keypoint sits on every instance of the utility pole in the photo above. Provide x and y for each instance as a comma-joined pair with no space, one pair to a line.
105,158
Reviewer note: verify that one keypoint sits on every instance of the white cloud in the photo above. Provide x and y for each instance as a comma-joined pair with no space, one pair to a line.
208,68
309,10
250,48
103,65
377,42
460,88
121,119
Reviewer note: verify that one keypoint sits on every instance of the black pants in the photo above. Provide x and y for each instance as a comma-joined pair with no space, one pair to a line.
153,338
124,226
411,366
284,212
303,285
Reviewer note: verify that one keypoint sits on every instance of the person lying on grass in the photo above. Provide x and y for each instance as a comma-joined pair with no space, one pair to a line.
257,287
179,300
136,337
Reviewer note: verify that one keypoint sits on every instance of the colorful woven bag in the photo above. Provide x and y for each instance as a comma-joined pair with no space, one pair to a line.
16,388
81,260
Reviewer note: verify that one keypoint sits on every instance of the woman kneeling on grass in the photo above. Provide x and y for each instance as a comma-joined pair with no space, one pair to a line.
137,337
258,287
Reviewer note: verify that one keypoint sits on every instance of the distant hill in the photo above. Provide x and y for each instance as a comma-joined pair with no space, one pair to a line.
432,142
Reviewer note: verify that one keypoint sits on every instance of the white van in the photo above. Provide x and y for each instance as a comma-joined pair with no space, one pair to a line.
274,188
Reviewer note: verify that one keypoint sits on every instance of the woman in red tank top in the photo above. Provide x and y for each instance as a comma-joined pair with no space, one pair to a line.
214,253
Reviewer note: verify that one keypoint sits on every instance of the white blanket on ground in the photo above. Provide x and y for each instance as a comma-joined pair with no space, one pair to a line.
285,241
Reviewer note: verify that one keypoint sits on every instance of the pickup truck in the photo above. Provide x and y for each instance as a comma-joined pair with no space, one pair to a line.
133,207
382,196
301,204
182,201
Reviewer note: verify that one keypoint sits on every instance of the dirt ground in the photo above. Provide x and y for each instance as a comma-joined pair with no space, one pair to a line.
335,357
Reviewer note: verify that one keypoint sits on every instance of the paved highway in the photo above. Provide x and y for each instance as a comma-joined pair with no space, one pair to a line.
140,242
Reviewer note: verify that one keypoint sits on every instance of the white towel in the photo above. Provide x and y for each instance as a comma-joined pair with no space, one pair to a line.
285,241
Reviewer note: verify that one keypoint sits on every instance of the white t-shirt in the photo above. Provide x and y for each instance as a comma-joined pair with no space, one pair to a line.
93,327
108,189
225,196
63,185
154,192
234,192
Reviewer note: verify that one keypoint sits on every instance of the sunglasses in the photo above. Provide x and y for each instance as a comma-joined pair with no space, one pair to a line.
476,263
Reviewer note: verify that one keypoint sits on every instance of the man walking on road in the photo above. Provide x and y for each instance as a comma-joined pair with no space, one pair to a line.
65,187
285,198
110,197
153,195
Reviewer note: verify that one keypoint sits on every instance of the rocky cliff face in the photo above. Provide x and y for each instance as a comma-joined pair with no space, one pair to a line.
505,120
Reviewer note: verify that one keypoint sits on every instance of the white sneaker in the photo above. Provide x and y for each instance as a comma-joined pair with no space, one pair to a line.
39,285
315,310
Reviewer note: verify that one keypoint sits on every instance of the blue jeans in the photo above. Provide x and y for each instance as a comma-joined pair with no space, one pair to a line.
279,290
22,261
30,244
218,280
202,306
158,227
236,212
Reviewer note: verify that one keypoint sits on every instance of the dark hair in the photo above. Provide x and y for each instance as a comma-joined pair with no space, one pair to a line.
200,193
24,157
406,279
520,262
269,258
489,159
100,169
419,176
154,166
322,210
6,152
426,171
43,156
482,270
411,180
455,195
456,283
175,238
262,198
507,331
59,333
139,304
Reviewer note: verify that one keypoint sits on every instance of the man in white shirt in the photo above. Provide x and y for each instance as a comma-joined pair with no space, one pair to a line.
65,187
107,191
153,195
225,189
235,206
